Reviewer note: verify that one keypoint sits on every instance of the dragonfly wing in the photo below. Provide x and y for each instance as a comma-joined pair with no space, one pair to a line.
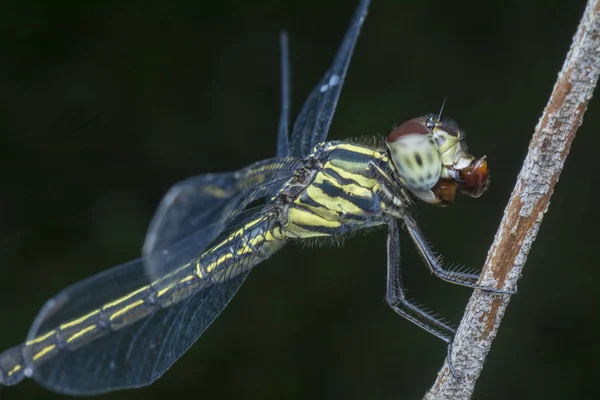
178,231
312,125
107,333
283,145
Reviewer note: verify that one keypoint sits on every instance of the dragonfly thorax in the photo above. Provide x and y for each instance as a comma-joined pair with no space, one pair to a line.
337,194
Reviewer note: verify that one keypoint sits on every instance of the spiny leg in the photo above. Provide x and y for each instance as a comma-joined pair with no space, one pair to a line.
433,263
396,297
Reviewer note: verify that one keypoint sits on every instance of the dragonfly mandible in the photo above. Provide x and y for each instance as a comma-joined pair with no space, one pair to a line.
124,327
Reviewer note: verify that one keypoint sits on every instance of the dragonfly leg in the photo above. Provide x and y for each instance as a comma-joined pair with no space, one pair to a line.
396,298
434,264
432,261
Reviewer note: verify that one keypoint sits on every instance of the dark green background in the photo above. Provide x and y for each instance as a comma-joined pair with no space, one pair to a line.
104,105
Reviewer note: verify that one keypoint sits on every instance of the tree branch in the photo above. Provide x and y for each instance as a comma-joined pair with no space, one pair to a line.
528,203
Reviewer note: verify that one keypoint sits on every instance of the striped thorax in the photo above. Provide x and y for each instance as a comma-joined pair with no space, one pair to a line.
336,192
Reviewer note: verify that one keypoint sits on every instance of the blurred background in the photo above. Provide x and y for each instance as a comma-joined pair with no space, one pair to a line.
104,105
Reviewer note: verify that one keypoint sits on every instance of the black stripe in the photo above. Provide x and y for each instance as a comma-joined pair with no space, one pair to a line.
341,180
305,199
370,204
343,155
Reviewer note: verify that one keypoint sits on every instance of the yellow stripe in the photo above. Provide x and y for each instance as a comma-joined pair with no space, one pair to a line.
339,204
198,270
78,320
317,194
359,179
165,290
235,234
186,279
43,352
351,188
250,245
124,298
225,257
297,232
40,338
244,249
81,333
303,217
357,189
256,241
15,369
126,309
171,274
361,189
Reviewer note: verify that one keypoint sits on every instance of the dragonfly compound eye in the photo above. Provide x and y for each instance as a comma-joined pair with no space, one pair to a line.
415,154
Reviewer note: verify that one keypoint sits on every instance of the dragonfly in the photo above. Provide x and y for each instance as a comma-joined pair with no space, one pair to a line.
126,326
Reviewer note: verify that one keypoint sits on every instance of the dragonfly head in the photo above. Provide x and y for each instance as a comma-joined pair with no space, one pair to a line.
432,161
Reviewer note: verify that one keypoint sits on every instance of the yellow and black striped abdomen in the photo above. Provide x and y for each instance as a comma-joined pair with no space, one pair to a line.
342,196
127,315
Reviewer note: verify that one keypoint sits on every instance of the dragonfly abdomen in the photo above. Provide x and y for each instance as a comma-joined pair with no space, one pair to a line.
235,253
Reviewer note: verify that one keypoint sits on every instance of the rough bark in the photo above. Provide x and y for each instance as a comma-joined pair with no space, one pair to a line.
528,203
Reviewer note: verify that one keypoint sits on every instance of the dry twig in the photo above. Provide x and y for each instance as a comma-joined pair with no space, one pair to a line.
528,203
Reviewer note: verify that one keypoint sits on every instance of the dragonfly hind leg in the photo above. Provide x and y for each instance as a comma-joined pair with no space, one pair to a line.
396,298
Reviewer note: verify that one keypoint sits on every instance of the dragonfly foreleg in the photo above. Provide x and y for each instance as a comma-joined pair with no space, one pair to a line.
402,203
435,266
398,201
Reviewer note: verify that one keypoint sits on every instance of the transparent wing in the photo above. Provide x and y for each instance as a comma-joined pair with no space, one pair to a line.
134,338
283,145
312,125
178,231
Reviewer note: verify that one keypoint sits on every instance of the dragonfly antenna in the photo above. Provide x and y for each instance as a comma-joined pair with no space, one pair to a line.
442,108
